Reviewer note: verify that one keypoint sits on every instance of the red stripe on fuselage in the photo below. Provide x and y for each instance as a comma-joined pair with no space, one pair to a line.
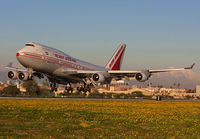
54,60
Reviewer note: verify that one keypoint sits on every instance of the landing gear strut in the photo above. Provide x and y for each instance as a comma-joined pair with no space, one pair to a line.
87,89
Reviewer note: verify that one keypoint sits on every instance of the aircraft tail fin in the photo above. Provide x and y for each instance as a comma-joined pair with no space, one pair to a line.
116,59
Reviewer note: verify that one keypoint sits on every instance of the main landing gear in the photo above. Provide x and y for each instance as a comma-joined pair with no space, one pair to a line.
84,88
81,87
53,86
69,88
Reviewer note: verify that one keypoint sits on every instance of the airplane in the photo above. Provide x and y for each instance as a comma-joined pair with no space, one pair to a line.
60,68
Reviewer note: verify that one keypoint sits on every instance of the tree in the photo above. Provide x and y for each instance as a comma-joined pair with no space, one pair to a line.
160,86
174,85
137,94
179,85
96,94
32,88
11,90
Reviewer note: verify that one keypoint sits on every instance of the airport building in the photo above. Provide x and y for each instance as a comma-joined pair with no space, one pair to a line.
198,90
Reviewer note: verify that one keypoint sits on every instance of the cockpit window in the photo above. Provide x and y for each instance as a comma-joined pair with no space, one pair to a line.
30,45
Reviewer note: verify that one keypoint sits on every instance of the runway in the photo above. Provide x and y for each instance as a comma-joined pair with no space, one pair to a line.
96,99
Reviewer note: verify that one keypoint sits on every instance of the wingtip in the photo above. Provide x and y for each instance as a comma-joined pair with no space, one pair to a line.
191,67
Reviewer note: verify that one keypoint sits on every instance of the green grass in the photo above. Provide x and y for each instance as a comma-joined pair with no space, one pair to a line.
102,119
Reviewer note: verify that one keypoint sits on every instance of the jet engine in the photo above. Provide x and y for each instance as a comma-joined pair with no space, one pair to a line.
142,77
24,76
98,77
13,75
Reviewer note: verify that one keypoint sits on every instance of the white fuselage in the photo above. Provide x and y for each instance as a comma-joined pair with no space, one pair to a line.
48,60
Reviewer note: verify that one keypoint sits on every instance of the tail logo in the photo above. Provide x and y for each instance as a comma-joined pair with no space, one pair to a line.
115,62
115,57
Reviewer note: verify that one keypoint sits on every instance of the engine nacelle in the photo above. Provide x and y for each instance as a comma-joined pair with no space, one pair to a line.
13,75
98,77
24,76
142,77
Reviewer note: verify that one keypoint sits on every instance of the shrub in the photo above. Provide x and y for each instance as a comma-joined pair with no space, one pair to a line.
96,94
137,94
188,97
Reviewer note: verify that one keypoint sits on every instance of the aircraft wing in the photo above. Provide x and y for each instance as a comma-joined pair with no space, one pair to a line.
10,66
130,73
140,75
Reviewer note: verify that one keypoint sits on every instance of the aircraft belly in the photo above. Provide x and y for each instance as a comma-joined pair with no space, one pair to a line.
67,76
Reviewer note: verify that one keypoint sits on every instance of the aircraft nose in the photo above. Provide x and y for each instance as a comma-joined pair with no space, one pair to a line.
17,54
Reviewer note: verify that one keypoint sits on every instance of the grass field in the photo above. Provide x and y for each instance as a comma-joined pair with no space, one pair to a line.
96,118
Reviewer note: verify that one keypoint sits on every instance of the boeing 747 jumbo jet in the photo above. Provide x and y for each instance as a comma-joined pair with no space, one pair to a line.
60,68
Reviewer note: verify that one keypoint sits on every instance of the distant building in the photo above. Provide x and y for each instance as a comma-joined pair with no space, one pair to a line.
198,90
121,85
171,90
152,89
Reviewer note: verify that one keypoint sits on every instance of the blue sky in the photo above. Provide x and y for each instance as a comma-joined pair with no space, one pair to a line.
158,34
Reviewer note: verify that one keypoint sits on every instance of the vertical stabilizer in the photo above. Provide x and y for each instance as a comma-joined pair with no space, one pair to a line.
116,60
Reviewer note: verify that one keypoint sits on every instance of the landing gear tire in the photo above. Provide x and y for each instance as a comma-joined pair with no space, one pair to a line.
87,89
84,88
79,89
53,87
69,89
